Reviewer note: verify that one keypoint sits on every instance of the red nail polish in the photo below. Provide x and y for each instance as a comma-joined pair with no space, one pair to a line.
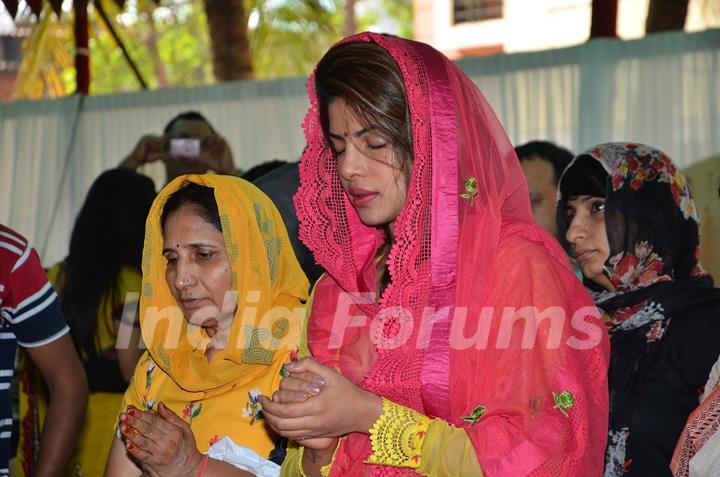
130,446
125,429
123,417
131,412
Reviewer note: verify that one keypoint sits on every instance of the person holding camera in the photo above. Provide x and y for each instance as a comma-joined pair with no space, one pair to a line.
188,145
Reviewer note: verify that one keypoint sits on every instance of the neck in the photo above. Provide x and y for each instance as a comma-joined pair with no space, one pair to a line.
218,341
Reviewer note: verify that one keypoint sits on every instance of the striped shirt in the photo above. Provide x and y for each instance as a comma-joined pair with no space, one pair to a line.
29,316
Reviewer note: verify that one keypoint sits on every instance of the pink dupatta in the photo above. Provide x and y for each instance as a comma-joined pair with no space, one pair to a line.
465,251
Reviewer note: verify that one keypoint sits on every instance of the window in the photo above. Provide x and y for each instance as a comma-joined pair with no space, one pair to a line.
476,10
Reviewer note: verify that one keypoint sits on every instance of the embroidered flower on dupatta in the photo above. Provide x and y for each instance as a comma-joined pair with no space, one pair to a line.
191,411
475,415
253,408
563,402
471,191
148,404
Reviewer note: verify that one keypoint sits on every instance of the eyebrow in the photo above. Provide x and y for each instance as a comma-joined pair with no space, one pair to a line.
583,198
357,133
194,246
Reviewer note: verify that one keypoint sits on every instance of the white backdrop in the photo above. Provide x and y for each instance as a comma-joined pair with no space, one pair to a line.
661,90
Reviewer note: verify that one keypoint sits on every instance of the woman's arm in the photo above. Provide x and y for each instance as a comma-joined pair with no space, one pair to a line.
67,386
128,347
119,463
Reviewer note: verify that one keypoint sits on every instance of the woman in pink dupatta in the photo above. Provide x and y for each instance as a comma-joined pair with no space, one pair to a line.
453,340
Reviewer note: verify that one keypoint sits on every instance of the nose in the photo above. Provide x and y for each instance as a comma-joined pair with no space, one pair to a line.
578,230
184,277
352,163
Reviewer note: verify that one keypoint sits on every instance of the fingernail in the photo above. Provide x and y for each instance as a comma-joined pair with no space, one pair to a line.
131,412
130,446
123,417
314,389
290,365
125,429
319,381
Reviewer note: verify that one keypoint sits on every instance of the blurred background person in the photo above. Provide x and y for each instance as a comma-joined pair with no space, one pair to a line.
261,169
281,184
93,281
188,145
31,318
543,163
704,179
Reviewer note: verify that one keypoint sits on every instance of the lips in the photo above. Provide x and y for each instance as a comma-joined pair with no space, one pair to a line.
581,255
361,197
191,303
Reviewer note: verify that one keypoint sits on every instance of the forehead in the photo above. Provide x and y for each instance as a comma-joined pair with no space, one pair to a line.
342,118
190,128
538,171
579,200
187,225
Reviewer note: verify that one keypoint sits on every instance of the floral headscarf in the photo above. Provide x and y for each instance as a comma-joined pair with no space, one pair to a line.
652,230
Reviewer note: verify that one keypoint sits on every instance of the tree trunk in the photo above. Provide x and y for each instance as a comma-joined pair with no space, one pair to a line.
151,41
82,47
666,15
604,19
350,22
229,39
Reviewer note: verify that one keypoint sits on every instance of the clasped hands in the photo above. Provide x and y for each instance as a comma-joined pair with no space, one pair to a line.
161,442
315,405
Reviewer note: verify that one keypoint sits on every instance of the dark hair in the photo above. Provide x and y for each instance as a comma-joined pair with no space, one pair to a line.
109,232
557,156
187,116
367,78
586,176
201,198
256,172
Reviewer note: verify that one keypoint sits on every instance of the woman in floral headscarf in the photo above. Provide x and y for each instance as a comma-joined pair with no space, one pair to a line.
626,212
413,200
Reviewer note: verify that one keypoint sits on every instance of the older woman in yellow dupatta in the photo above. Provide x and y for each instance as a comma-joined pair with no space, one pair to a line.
209,381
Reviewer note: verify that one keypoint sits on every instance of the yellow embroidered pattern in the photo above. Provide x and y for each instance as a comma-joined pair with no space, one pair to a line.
397,436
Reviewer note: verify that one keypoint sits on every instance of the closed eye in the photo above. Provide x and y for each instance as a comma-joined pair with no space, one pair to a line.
206,255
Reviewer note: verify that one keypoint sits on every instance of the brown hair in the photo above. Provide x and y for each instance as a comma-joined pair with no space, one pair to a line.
367,78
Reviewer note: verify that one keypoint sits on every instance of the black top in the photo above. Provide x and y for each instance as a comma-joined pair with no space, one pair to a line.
667,391
280,185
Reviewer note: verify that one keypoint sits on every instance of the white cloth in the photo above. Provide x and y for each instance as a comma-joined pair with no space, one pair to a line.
712,382
243,458
706,463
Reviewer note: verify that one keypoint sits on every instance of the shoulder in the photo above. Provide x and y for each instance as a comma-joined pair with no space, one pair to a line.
129,279
14,250
522,258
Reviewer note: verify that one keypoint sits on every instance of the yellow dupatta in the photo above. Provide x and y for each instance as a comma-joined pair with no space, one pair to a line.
271,291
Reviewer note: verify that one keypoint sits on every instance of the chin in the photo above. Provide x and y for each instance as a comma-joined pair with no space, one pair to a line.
370,219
